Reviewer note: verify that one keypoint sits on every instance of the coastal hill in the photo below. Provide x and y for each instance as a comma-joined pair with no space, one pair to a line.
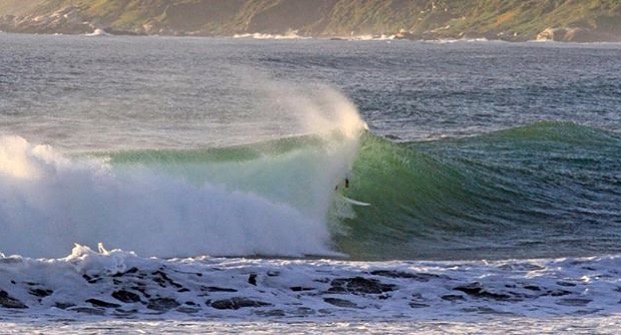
511,20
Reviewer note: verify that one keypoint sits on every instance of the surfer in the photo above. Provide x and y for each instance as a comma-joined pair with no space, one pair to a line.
349,200
346,184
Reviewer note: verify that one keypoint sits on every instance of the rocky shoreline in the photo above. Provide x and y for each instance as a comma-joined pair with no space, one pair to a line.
71,21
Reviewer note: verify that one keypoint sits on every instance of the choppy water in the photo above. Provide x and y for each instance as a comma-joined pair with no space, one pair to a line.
182,147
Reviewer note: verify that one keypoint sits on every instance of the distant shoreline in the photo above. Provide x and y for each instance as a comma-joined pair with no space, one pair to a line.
277,37
588,21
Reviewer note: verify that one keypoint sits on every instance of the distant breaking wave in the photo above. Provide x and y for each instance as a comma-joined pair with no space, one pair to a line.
262,36
98,33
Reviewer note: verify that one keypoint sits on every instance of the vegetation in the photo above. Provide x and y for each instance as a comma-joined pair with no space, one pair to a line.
507,19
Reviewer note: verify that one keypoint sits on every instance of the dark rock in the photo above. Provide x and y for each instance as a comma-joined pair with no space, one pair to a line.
452,297
272,313
218,289
87,310
125,313
421,277
566,284
113,31
532,287
405,35
162,304
395,138
40,292
252,279
337,289
142,289
577,34
360,285
475,290
63,305
583,35
237,303
340,302
90,280
126,296
104,304
558,293
130,271
162,279
300,288
187,310
418,305
7,301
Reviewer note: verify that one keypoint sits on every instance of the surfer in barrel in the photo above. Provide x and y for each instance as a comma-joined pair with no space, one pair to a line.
346,182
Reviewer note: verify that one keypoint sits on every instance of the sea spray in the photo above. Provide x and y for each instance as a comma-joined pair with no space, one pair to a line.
274,203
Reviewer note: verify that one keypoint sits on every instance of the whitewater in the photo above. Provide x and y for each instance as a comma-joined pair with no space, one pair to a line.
201,185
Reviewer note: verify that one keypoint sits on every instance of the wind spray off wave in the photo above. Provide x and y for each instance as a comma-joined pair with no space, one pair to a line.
270,198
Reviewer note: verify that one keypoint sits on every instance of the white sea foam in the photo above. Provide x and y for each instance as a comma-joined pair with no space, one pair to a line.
98,33
292,35
273,205
117,283
49,201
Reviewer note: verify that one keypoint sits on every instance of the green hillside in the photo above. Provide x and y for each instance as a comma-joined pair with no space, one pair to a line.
504,19
18,7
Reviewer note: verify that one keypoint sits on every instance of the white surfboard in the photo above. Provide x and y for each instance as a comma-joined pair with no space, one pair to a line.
355,202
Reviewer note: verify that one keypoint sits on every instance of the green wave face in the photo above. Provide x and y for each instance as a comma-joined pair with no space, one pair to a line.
547,189
299,171
544,190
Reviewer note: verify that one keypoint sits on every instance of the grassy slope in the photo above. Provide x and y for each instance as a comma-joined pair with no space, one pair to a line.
18,7
525,18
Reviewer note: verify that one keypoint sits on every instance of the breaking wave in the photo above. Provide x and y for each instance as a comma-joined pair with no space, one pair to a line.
545,190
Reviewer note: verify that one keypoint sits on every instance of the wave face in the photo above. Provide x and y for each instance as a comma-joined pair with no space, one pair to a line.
546,190
549,189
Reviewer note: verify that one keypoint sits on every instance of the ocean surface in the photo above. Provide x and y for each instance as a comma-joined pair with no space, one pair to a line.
159,184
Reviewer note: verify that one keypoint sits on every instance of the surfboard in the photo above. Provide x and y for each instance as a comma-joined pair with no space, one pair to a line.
355,202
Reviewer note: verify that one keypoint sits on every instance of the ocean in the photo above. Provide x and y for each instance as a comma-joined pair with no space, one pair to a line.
201,185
